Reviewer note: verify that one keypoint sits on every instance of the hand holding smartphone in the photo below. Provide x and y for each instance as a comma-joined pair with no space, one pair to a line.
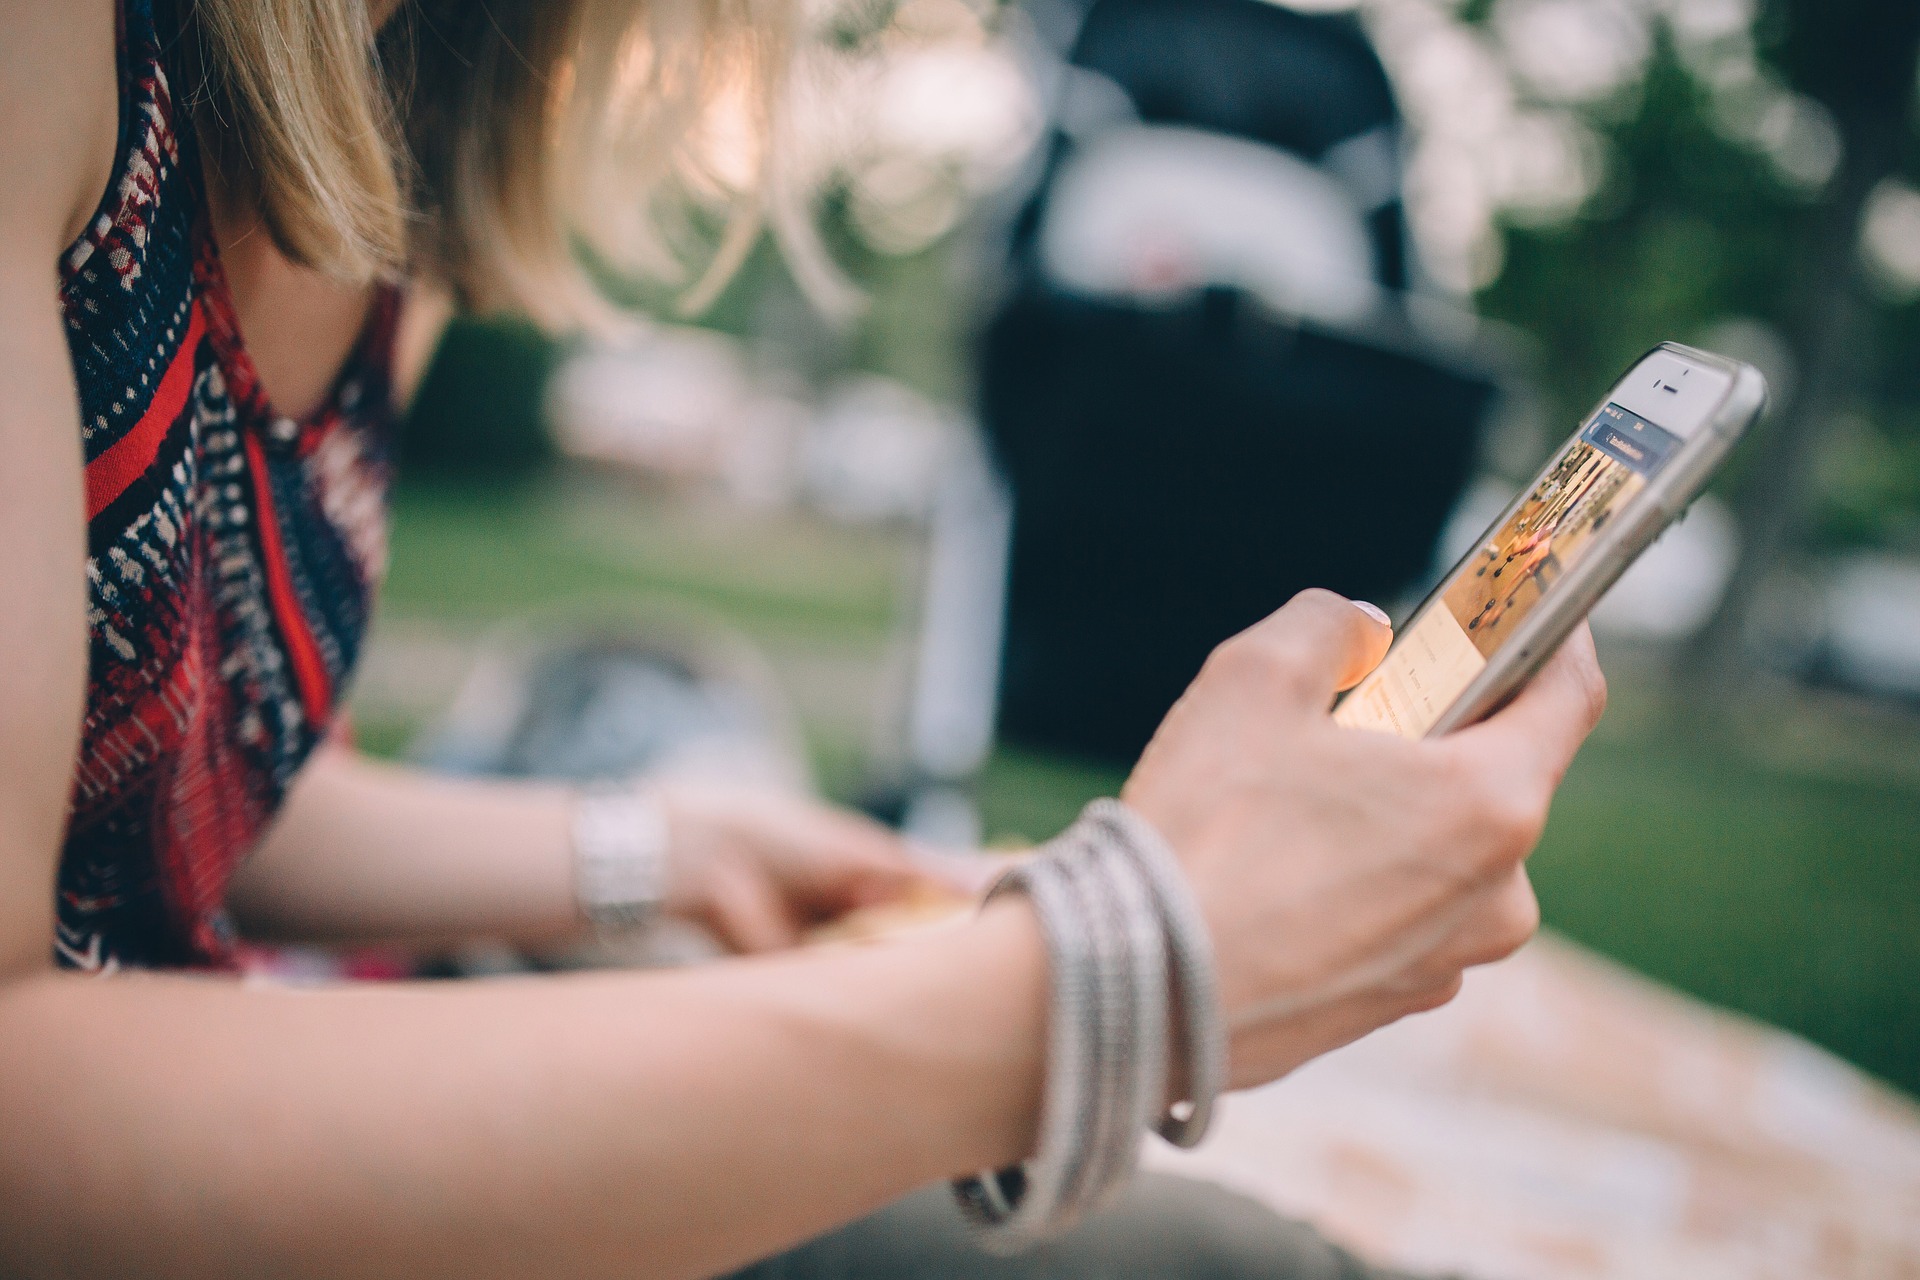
1636,463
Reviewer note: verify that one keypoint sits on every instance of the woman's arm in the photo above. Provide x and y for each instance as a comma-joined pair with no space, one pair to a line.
683,1122
687,1121
161,1126
57,99
366,852
676,1123
668,1125
372,852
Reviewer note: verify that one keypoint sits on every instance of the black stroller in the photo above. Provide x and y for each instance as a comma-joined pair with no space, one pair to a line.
1205,385
1206,380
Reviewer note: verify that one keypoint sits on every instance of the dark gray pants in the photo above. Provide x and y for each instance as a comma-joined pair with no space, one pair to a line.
1161,1229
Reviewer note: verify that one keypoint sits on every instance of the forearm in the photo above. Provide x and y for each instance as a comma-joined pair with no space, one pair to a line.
669,1124
368,852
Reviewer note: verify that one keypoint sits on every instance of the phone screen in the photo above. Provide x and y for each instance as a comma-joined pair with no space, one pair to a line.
1482,603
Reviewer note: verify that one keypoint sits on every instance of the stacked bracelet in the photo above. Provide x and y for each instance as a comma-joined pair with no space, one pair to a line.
1125,943
1190,959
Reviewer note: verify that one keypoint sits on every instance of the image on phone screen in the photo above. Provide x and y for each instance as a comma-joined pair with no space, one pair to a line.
1485,598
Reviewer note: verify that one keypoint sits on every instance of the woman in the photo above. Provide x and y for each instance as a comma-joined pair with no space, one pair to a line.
198,367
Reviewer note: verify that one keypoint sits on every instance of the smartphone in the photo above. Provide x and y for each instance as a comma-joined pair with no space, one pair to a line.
1627,473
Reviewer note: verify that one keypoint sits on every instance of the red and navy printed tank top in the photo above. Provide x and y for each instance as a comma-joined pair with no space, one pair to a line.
232,552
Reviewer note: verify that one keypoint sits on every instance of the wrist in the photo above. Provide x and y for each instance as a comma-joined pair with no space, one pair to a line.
998,964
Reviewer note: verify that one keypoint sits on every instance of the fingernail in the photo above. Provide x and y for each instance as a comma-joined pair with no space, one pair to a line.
1375,612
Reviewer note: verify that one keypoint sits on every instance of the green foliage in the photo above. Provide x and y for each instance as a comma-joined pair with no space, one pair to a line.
1690,229
478,412
1687,229
486,551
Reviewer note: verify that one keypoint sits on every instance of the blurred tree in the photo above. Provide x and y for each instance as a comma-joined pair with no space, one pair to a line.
1694,224
1686,228
1859,59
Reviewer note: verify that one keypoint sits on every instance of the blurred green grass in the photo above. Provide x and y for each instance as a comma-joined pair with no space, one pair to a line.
1768,862
476,552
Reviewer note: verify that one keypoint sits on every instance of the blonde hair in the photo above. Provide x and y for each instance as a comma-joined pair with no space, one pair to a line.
490,144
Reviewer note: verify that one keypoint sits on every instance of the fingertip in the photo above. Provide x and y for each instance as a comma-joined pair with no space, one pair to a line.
892,883
1374,645
1438,995
1577,665
1373,611
968,875
1319,601
863,837
1349,636
750,917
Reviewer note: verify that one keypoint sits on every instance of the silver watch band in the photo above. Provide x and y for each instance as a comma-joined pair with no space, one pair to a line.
620,847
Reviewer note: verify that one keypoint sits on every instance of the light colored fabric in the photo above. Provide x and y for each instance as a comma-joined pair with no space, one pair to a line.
1565,1119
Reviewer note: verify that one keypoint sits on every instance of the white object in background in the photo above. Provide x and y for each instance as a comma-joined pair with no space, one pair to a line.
942,818
680,404
1873,624
874,452
1154,212
957,680
1671,591
663,403
957,106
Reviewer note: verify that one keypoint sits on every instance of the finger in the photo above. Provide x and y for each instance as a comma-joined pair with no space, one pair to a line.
968,874
1504,920
868,888
1379,640
1315,645
849,860
1536,736
858,840
1428,998
746,911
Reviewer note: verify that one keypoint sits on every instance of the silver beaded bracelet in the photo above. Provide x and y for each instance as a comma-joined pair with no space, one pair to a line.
1125,942
620,840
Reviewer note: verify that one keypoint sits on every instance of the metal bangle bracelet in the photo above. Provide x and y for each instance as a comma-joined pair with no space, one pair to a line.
1107,1038
1195,977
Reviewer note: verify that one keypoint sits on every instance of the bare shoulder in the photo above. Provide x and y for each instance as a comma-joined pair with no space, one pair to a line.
59,121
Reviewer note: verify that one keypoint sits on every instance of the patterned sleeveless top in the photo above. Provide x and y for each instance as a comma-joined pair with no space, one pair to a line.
232,553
